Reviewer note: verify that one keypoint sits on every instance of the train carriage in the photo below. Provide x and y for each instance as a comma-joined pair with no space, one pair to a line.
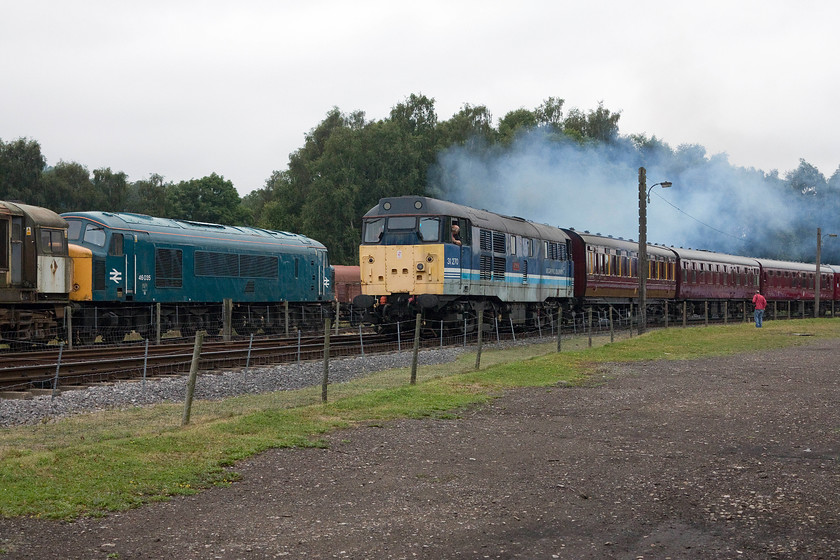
783,280
606,269
707,275
123,262
410,260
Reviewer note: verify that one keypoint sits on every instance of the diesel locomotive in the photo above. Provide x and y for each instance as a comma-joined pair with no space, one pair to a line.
35,271
411,260
124,263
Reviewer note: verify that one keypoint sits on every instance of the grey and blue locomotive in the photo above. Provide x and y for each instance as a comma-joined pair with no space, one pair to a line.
450,260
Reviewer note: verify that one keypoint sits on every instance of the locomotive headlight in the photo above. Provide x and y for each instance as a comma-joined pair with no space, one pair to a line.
420,267
430,258
370,260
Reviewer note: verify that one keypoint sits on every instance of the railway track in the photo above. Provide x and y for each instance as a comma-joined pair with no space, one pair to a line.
25,373
47,369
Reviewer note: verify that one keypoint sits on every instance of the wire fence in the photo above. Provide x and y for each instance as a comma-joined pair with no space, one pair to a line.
310,363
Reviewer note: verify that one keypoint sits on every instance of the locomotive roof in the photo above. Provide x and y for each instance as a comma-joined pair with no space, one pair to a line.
41,216
426,206
150,224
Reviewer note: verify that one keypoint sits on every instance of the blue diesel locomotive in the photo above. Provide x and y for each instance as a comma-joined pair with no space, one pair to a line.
124,263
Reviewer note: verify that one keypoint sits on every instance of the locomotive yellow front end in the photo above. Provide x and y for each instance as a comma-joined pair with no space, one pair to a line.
82,289
401,269
410,259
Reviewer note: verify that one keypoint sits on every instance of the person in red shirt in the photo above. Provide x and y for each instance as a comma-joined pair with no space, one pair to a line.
760,304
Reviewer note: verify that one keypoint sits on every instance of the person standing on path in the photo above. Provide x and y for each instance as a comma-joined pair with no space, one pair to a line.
760,304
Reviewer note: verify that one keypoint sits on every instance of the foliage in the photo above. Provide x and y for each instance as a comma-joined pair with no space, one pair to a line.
21,163
210,199
348,162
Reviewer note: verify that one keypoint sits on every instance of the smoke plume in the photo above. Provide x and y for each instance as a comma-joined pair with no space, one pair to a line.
594,187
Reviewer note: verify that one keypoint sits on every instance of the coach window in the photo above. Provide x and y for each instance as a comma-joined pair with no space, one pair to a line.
116,247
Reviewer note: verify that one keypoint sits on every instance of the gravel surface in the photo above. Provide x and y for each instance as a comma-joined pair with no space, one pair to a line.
718,458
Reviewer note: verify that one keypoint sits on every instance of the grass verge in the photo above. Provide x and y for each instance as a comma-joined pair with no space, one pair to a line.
113,460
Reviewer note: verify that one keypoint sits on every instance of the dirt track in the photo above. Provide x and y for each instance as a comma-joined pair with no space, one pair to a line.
731,457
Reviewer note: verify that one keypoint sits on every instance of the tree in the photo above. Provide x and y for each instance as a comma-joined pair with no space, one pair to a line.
472,124
416,115
550,114
514,122
112,188
21,164
209,199
67,186
148,196
806,179
602,124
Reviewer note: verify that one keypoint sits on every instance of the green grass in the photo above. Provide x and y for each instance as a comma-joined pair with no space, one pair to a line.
90,464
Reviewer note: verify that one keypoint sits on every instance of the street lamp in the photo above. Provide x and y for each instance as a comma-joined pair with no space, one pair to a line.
818,283
644,198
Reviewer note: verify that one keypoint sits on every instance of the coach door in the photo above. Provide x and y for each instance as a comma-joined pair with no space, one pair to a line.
5,250
17,250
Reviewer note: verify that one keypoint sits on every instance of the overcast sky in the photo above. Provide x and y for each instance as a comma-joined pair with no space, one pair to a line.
188,88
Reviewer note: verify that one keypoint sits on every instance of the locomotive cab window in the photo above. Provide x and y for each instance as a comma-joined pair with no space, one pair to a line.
95,235
429,230
402,223
74,230
52,242
374,230
464,232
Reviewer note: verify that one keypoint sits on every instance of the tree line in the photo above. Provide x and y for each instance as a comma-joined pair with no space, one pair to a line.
347,163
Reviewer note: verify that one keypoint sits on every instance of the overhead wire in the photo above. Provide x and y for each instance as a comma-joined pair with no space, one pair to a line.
678,209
